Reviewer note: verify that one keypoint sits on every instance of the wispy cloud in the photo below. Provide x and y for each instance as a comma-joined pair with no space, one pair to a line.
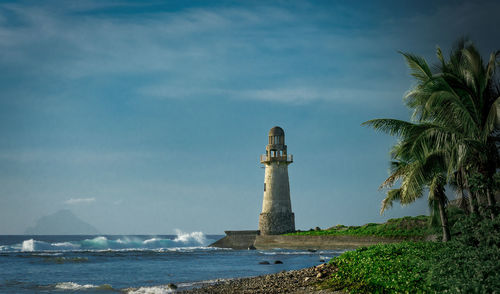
72,201
191,53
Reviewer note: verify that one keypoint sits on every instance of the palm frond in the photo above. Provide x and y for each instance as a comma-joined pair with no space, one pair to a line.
418,65
491,119
394,127
392,195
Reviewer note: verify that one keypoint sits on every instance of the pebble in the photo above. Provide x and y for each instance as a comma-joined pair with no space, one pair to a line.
298,281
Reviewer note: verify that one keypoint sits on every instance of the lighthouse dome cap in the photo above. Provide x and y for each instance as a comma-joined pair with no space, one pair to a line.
276,131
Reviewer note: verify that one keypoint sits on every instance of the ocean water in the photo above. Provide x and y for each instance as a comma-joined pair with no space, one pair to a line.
133,264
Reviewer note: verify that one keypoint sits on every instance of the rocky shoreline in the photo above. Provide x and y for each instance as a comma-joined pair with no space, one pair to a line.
297,281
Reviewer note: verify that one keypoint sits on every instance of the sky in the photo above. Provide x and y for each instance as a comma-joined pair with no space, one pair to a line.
143,117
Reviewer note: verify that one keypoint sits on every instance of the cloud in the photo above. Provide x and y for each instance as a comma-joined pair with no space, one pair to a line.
75,201
74,156
252,52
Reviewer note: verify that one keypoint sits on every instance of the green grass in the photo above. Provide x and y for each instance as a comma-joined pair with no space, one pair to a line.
470,263
398,227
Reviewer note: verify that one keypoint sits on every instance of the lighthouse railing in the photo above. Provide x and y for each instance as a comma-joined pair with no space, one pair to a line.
265,158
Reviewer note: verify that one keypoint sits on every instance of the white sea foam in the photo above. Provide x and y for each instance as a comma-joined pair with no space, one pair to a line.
73,286
182,242
189,238
161,289
151,290
202,283
28,245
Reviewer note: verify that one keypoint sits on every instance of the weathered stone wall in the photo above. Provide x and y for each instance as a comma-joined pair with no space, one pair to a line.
275,223
277,216
277,188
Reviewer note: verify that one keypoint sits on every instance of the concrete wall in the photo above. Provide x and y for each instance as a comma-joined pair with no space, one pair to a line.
277,194
247,239
319,242
276,216
237,240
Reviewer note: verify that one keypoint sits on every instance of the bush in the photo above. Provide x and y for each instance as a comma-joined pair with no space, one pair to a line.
400,227
470,263
390,268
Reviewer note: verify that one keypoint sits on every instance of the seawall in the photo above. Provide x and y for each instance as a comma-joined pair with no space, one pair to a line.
253,239
237,240
319,242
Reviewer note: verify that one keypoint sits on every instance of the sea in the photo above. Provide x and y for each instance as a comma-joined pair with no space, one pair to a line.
134,264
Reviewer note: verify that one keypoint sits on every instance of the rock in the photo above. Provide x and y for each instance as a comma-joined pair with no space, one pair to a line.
319,275
278,262
311,250
264,262
320,266
317,229
307,279
251,247
172,286
321,260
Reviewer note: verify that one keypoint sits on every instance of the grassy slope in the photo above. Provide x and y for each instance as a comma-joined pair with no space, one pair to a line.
398,227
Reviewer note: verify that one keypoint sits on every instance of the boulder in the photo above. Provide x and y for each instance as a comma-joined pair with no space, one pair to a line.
264,262
172,286
278,262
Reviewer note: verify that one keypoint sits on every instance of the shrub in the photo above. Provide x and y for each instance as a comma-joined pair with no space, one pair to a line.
390,268
400,227
470,263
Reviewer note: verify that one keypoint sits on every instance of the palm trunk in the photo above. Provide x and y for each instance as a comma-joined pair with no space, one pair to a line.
444,217
472,198
491,203
463,202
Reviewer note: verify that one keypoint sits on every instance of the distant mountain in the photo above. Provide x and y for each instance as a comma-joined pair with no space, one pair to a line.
62,222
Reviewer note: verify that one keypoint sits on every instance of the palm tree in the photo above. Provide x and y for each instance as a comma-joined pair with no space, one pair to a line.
415,172
456,111
462,99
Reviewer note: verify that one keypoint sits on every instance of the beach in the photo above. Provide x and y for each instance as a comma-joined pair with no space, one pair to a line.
305,280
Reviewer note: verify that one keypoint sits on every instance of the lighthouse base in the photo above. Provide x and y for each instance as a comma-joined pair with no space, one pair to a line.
272,223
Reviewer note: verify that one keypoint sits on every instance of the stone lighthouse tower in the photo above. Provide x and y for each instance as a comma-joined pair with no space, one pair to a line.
277,216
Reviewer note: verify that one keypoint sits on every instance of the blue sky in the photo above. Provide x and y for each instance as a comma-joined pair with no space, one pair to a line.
146,117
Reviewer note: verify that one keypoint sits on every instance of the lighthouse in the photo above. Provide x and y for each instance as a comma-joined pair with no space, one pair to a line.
277,216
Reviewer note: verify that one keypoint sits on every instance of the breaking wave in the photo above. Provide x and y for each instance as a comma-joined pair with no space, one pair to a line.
183,241
76,287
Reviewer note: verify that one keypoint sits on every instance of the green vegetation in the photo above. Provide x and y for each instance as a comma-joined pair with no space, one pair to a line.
470,263
398,227
452,136
451,141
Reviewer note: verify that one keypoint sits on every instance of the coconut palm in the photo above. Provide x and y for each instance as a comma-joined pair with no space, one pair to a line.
462,99
415,172
455,113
